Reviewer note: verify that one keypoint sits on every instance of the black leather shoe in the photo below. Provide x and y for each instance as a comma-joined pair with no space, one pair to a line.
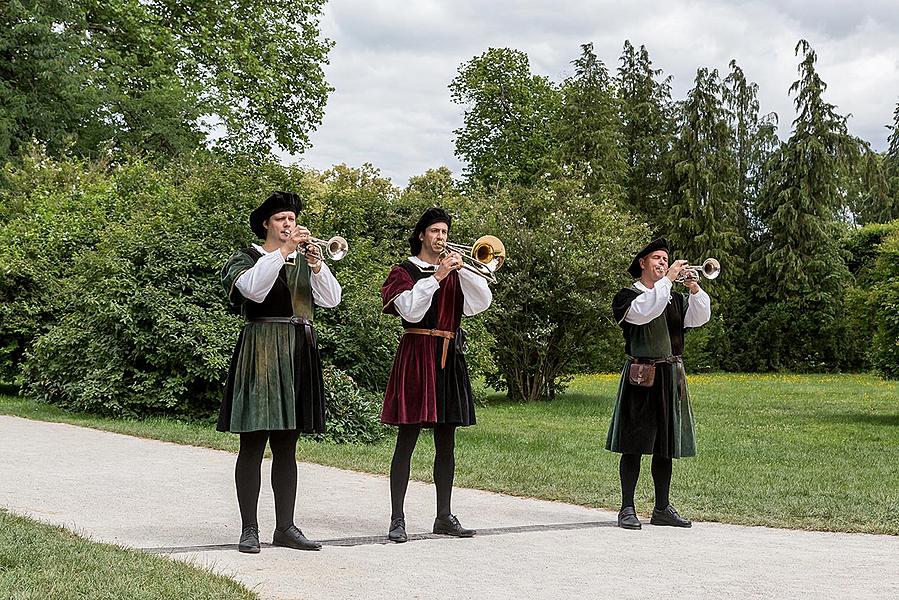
397,531
627,518
449,525
249,539
292,537
669,516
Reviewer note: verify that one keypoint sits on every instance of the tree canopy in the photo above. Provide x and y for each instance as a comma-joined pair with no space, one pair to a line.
158,76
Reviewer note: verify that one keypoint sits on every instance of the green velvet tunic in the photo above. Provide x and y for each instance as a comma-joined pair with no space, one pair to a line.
656,419
274,382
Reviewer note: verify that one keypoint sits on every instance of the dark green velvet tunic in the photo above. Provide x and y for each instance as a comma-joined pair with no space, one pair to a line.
274,381
657,419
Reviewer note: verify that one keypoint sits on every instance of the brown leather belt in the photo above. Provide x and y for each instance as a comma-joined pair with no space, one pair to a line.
446,335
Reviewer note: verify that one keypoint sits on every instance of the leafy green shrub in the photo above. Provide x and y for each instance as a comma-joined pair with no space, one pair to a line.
872,305
141,326
353,413
884,304
51,212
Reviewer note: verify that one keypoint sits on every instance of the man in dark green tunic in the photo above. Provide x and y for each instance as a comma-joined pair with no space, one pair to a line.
274,390
652,412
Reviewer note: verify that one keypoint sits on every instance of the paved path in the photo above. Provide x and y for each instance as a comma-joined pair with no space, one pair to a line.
179,500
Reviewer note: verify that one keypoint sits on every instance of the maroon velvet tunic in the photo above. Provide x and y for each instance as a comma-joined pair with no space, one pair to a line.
419,391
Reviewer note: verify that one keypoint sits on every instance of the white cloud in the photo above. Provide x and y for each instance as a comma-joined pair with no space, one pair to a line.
393,61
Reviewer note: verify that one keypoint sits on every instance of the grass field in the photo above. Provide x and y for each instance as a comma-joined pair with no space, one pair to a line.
809,451
41,562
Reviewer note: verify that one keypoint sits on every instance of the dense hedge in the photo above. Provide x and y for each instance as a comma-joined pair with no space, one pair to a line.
873,304
110,298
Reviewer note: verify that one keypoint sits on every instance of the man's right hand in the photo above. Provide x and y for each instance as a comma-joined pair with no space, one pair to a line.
675,269
452,262
299,236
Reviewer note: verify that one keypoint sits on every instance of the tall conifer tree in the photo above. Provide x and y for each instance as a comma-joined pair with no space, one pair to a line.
799,257
891,169
702,178
646,115
754,140
589,131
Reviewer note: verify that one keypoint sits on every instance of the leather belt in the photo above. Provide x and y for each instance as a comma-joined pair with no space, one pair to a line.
655,361
446,335
291,320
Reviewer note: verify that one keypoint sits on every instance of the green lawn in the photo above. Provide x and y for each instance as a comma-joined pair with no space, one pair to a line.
41,562
803,451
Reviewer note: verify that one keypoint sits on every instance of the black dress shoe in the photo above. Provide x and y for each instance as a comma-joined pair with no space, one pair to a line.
669,516
627,518
397,531
292,537
249,539
449,525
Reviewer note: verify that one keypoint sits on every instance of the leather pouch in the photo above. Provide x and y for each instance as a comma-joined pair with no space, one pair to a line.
461,341
641,374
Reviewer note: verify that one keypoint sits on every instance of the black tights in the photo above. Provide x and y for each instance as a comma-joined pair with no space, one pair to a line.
629,470
248,475
444,466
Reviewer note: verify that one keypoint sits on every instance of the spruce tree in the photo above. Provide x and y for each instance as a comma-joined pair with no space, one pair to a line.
702,178
589,129
646,115
891,172
799,256
754,140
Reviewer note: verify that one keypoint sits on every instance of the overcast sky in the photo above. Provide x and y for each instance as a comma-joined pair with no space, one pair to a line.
393,60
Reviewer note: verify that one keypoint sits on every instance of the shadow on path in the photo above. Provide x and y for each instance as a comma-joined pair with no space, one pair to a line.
382,539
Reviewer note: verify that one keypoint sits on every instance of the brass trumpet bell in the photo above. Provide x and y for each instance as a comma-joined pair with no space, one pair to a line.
710,269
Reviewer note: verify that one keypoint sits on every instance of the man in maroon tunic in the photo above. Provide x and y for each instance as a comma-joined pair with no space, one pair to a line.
429,385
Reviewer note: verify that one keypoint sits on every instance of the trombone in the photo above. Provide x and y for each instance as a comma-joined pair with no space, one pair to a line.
336,247
482,258
710,269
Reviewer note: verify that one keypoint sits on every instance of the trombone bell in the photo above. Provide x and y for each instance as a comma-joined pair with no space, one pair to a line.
483,258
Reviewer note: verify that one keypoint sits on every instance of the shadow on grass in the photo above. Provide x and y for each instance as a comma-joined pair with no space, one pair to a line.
864,419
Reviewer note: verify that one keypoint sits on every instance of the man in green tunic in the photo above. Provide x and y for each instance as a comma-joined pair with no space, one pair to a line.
274,390
652,412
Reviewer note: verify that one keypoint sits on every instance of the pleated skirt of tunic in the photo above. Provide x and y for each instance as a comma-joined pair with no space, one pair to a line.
420,392
274,382
654,420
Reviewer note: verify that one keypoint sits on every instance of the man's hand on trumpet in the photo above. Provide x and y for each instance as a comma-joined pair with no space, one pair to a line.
452,262
691,280
314,257
296,236
297,240
675,269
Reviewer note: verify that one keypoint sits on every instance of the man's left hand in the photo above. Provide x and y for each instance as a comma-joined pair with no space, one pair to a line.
314,257
692,285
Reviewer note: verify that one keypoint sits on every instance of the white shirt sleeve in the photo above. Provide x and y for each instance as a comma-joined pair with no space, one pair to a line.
699,309
326,290
650,304
476,292
256,282
413,304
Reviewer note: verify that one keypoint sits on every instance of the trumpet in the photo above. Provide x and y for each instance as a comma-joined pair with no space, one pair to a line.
483,258
336,247
710,269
